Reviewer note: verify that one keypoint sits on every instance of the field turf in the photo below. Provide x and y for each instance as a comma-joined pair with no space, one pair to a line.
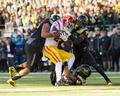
38,84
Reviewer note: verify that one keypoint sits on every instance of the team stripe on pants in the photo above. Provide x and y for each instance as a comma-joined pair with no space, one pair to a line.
51,54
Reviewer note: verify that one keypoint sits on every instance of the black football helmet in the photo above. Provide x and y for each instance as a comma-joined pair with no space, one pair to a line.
81,21
54,18
84,71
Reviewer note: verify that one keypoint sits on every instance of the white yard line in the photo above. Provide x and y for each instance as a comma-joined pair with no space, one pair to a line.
49,73
97,77
58,90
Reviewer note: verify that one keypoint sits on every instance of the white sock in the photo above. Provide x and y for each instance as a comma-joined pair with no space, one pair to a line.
70,62
58,70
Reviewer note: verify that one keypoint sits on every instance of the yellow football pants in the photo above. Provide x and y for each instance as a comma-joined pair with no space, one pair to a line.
56,55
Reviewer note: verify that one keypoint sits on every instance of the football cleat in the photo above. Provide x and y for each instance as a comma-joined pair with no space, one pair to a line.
61,83
12,71
109,83
67,81
81,80
11,82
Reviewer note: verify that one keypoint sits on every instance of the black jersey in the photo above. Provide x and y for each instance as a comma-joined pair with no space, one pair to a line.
36,40
79,43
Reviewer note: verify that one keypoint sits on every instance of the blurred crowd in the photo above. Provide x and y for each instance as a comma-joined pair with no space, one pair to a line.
11,51
28,13
23,16
106,48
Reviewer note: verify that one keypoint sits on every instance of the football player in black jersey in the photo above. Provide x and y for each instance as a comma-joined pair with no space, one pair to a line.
80,47
33,49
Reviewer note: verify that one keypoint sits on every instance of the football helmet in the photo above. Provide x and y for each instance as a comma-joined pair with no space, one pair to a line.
81,21
54,18
83,71
68,23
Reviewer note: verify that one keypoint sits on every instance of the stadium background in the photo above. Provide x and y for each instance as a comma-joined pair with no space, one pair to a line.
19,18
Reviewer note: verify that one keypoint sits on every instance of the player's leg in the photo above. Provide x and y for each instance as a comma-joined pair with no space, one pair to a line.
69,58
98,68
58,70
52,53
53,74
69,78
27,67
31,55
71,62
11,68
57,56
24,71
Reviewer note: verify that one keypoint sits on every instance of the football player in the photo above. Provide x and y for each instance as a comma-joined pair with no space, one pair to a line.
33,49
80,47
58,56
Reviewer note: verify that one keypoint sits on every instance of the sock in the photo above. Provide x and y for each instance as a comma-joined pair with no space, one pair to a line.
12,68
16,77
70,62
58,69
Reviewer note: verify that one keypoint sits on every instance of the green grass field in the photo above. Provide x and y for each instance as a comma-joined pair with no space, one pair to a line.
38,84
